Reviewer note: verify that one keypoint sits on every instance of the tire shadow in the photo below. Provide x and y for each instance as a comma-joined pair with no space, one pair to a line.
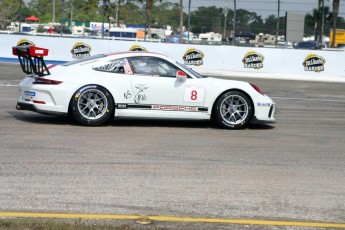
37,118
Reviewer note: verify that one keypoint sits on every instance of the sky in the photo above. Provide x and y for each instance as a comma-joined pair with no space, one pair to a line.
263,7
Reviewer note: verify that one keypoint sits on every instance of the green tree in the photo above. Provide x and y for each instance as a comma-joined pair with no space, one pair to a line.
166,14
8,12
128,9
149,4
205,19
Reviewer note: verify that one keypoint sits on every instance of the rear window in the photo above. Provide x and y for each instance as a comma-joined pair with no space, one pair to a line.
93,57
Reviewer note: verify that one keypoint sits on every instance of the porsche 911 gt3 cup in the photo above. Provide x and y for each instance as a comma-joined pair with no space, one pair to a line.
98,88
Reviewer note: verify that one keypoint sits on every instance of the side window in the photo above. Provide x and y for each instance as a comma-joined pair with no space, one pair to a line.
115,66
153,66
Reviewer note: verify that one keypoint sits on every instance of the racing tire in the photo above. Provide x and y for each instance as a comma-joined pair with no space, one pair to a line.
92,105
233,110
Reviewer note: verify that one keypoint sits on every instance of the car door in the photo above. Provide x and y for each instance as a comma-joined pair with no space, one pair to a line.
116,75
156,87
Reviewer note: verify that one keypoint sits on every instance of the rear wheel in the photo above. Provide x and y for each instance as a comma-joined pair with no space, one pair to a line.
233,110
92,105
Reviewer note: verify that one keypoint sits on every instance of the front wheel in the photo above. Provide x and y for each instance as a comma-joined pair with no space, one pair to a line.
92,105
233,110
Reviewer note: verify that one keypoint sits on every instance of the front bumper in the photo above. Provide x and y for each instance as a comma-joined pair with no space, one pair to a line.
266,117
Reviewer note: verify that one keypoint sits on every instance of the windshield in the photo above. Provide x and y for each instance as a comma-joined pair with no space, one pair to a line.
196,74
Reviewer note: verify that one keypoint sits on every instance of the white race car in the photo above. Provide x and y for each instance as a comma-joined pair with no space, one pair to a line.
98,88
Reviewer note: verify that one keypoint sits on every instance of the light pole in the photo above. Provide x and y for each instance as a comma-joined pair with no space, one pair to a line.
322,21
62,11
20,16
234,25
117,13
181,22
53,12
225,12
103,11
277,33
189,18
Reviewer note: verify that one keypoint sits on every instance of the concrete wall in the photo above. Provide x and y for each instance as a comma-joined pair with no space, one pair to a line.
221,58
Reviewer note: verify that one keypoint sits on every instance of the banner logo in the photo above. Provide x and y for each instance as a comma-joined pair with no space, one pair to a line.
138,48
193,57
253,60
81,50
314,63
25,42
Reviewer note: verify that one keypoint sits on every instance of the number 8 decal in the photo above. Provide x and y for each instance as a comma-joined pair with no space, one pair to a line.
194,95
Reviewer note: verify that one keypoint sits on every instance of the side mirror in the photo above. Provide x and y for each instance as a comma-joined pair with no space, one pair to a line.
180,75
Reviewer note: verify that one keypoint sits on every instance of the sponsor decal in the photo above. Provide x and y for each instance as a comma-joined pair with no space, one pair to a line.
122,106
263,104
30,93
77,95
138,48
193,57
25,42
253,60
174,108
314,63
81,50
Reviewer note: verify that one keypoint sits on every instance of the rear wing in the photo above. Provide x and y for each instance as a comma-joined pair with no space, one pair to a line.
31,59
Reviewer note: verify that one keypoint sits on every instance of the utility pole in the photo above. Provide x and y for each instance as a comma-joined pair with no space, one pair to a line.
62,11
117,13
181,22
277,33
71,2
53,12
322,21
234,23
189,18
103,11
20,16
225,12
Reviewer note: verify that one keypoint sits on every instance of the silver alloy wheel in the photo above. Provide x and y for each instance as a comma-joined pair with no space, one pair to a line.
92,104
234,109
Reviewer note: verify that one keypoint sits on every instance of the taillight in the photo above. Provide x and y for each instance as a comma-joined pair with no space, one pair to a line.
257,89
44,81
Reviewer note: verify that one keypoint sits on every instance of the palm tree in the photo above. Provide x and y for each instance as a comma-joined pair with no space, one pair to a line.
336,4
149,4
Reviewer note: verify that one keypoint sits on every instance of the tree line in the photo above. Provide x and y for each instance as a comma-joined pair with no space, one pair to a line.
156,13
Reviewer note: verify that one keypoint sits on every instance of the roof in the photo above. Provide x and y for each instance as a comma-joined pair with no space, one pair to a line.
32,18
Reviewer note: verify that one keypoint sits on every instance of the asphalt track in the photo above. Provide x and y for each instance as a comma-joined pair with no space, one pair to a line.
290,175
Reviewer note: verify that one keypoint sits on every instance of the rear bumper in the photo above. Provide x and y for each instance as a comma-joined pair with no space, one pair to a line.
33,108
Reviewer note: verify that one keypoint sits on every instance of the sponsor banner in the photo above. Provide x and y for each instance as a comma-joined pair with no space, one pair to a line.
223,58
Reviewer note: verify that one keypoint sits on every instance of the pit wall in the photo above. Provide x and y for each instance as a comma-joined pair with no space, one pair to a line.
251,60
